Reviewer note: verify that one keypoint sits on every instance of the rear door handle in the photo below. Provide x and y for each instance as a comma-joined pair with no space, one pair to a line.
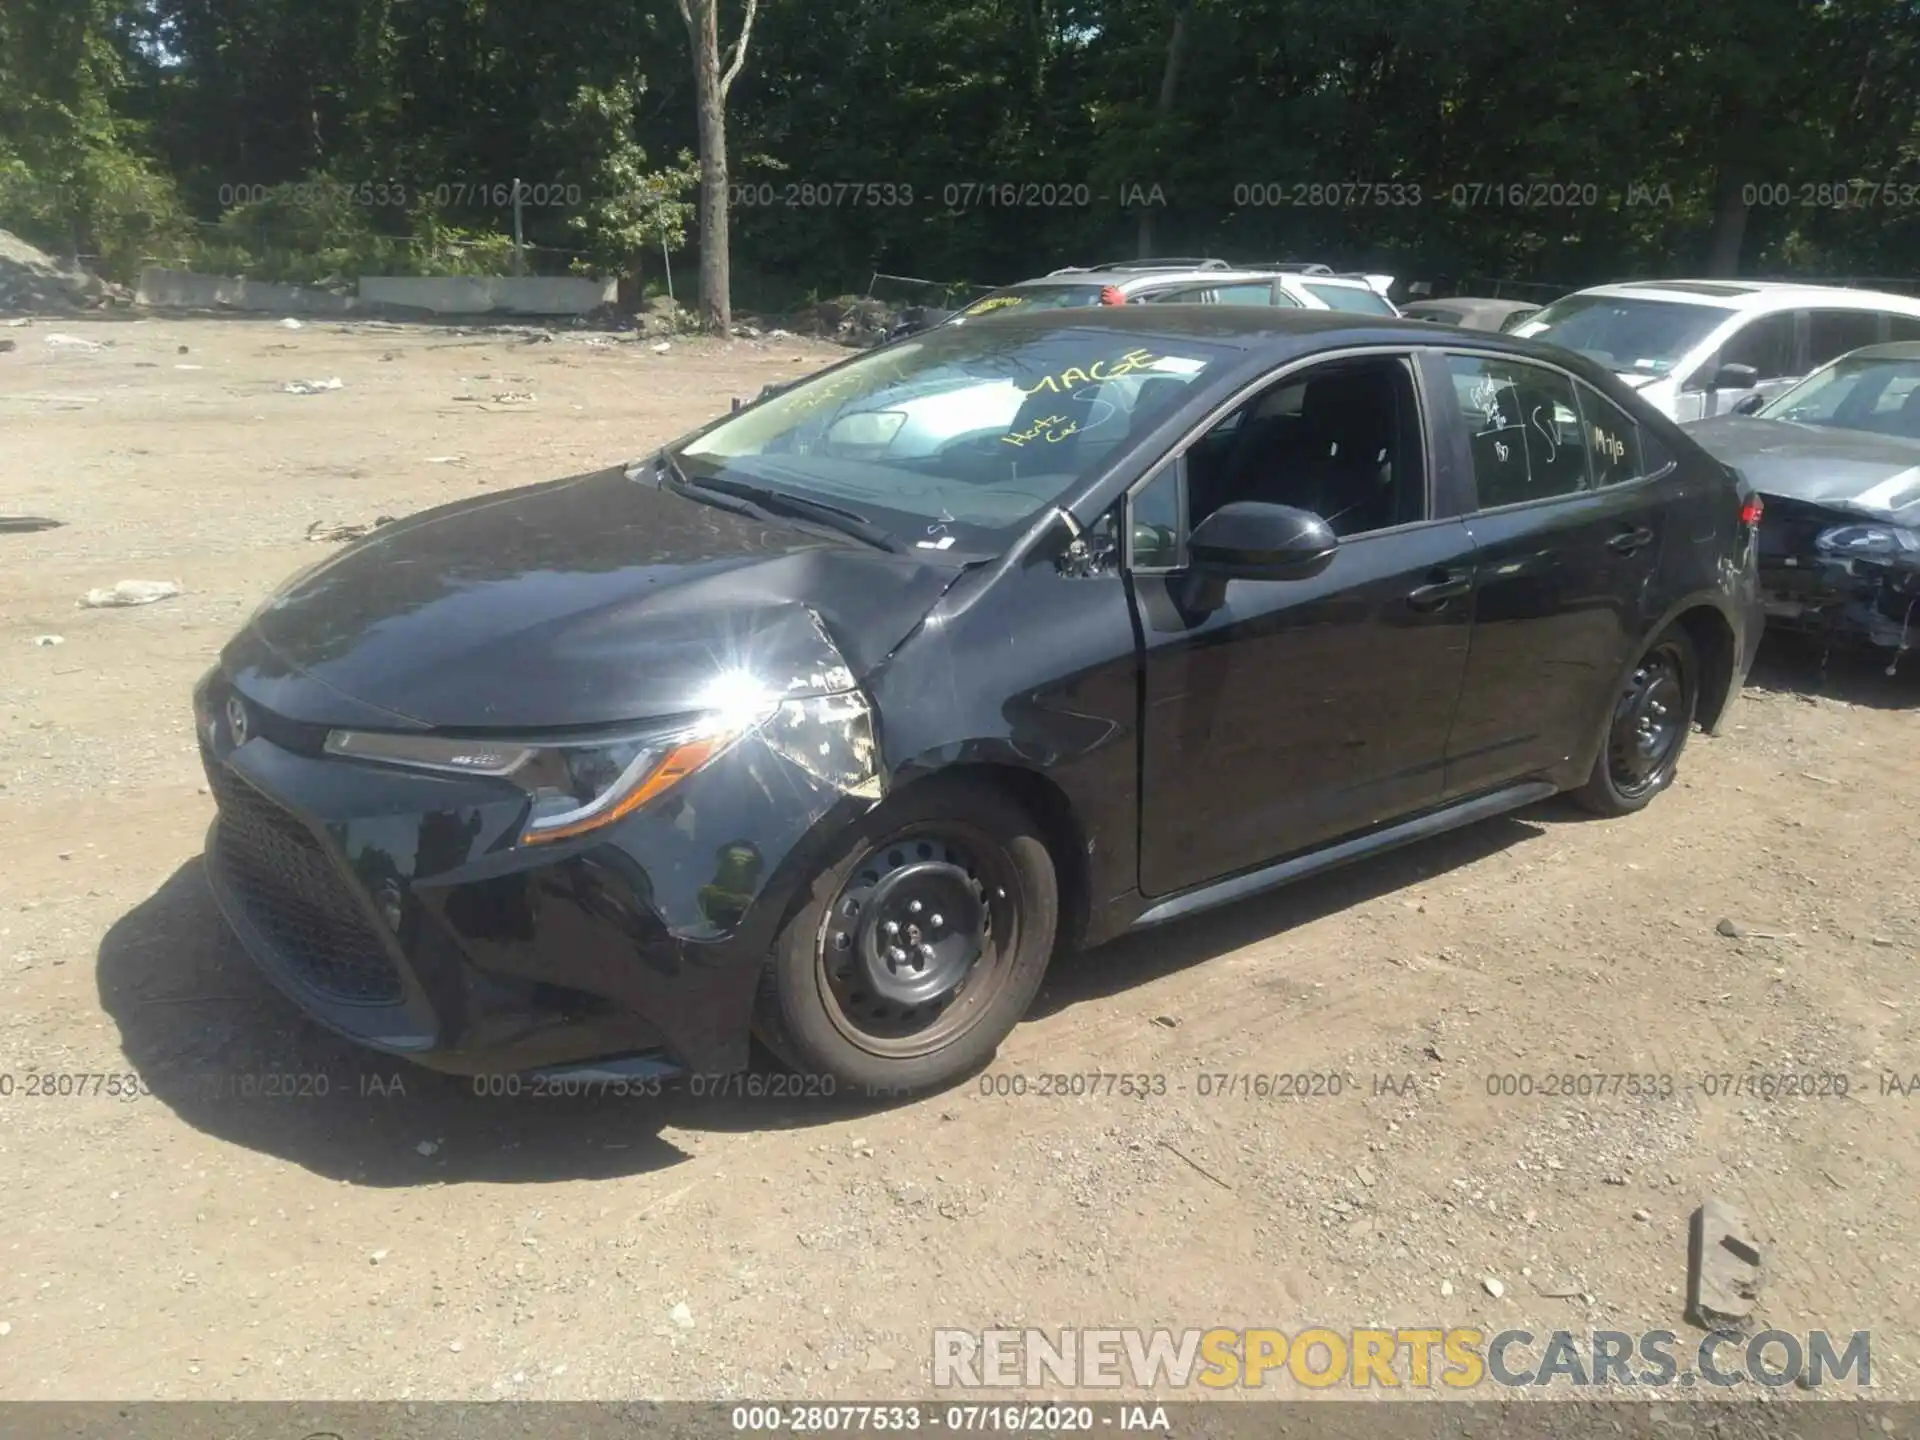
1628,541
1446,585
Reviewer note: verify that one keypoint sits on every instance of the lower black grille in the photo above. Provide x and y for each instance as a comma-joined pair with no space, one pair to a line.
1789,526
296,898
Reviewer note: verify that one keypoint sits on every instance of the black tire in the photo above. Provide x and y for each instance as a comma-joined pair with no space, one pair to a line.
1647,728
841,996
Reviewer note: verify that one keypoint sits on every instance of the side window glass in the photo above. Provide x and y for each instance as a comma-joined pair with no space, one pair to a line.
1832,333
1527,437
1766,344
1260,294
1613,440
1182,297
1157,539
1341,441
1903,327
1285,301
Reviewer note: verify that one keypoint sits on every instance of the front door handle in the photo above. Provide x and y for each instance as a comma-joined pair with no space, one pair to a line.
1444,585
1628,541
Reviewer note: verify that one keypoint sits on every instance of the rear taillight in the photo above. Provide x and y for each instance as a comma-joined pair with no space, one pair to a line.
1751,512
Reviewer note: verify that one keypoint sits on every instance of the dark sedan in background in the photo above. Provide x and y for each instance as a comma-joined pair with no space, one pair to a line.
1837,461
830,721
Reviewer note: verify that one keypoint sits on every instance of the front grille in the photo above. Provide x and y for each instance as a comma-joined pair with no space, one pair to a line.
295,896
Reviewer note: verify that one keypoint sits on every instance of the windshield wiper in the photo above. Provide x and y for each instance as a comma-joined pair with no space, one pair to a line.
779,502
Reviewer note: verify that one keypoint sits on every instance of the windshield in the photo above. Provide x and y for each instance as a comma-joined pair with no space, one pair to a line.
1635,337
1033,297
1856,393
957,438
1356,298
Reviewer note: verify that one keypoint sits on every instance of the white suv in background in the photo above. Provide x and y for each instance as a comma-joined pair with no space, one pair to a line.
1190,282
1695,348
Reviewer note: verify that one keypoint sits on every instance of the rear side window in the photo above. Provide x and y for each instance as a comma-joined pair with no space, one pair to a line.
1903,327
1621,450
1357,298
1526,434
1832,333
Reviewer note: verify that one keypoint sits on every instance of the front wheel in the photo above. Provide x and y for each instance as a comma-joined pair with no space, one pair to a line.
920,948
1652,717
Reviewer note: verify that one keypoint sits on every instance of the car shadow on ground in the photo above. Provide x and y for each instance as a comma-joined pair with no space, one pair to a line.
212,1040
1136,959
1806,665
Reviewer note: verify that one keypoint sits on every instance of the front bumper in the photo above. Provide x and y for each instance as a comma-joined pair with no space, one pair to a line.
398,908
1847,599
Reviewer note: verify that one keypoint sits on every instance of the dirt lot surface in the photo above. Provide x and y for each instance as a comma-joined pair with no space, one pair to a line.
200,1242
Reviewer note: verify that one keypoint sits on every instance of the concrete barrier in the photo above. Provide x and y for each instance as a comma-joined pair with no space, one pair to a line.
490,294
432,294
185,290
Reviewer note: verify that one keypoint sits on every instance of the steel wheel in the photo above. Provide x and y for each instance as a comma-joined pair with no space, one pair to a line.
919,939
1650,722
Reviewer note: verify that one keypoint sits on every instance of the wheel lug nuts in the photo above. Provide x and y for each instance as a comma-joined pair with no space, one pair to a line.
913,907
926,952
897,955
892,927
935,922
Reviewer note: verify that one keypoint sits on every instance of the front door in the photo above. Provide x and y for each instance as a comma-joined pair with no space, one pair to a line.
1297,711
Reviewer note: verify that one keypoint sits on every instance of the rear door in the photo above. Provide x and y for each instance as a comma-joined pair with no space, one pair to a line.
1568,518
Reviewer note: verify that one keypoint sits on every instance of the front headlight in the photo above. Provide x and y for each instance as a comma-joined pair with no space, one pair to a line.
1866,542
576,786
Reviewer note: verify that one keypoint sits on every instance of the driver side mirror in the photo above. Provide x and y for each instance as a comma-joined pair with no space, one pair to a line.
1734,377
1748,404
1249,540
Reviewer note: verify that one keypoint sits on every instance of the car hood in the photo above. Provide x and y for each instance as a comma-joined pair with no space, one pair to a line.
587,601
1851,470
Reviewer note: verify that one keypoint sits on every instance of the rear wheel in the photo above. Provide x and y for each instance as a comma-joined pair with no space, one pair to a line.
920,948
1652,717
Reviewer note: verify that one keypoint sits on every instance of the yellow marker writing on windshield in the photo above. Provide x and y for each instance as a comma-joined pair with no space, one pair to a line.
1053,429
1099,370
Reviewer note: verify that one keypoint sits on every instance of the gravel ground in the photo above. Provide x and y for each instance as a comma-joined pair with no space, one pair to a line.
399,1236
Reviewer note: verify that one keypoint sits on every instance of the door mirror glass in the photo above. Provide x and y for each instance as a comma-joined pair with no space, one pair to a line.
1251,540
1749,404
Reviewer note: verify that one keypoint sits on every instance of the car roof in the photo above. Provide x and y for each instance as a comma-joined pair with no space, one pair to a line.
1469,302
1122,278
1145,274
1892,350
1754,295
1280,332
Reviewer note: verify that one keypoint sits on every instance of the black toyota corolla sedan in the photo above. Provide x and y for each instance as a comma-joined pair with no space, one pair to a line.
832,721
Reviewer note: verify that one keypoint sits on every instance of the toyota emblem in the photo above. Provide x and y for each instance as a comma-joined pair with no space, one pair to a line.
237,720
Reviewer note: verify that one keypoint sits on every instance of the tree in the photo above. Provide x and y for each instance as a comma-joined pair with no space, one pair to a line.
711,83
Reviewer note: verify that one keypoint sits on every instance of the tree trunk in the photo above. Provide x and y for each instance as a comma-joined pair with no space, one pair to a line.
1729,222
1163,111
716,302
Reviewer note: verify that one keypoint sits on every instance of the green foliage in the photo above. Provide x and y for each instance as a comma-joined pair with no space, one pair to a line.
1655,119
628,212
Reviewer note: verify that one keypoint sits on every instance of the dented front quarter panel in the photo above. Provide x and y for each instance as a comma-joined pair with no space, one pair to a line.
1030,666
